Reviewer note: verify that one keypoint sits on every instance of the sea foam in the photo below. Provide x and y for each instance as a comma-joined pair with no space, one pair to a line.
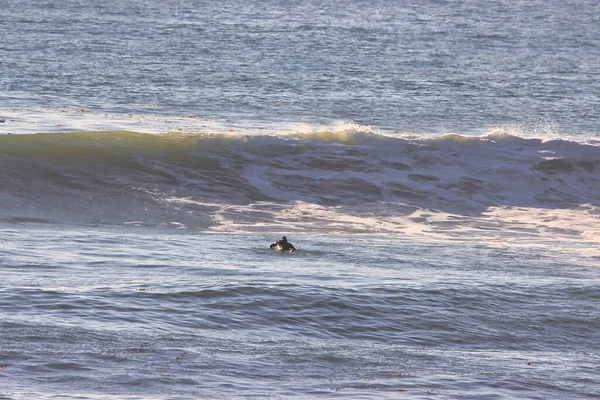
350,179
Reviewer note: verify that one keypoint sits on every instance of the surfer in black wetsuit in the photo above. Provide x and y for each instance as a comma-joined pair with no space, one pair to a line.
283,245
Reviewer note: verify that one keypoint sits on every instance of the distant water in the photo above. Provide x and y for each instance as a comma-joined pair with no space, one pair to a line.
437,165
429,67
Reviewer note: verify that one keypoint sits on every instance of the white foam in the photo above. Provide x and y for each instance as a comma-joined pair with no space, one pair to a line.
72,119
576,230
31,120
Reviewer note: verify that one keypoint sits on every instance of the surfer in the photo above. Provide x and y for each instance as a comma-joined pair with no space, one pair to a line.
283,245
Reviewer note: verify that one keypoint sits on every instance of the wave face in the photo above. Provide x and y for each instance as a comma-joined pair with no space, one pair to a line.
351,180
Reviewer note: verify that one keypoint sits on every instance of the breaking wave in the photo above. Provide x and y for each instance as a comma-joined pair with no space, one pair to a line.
351,180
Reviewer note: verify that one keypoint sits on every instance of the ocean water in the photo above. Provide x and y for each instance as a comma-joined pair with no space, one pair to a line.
435,163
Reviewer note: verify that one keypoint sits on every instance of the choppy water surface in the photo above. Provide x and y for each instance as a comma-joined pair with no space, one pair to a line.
165,314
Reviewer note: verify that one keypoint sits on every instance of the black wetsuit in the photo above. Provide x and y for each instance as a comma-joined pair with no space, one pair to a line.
283,245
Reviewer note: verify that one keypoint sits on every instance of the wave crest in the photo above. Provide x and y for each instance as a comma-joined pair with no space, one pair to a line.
210,180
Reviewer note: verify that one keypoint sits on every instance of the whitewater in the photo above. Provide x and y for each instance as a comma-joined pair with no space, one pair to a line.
435,164
344,179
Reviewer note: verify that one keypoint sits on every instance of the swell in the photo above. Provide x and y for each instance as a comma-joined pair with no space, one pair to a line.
128,177
502,314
